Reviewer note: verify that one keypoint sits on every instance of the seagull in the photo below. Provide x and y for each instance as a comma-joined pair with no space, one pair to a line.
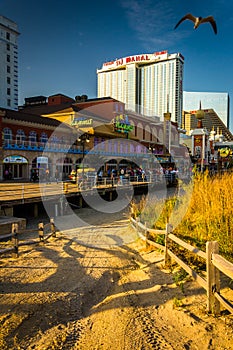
199,20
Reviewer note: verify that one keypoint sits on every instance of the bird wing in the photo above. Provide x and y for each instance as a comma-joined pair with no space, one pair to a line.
212,22
188,16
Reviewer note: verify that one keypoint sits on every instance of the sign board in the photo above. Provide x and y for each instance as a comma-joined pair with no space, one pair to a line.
122,124
41,160
15,159
82,123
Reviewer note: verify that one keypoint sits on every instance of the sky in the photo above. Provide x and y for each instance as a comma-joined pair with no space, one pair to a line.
63,43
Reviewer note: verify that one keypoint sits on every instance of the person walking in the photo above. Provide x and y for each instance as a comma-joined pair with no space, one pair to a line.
47,175
122,174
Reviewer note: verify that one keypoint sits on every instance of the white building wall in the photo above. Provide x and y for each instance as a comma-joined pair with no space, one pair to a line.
8,63
149,88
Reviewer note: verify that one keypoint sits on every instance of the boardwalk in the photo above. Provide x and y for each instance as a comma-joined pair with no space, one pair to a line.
32,192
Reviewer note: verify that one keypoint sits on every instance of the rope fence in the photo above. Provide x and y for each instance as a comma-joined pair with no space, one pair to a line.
215,263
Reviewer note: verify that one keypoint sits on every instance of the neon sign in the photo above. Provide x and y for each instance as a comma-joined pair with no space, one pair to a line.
122,124
81,122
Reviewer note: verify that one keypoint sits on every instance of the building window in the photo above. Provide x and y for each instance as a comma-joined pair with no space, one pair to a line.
8,36
8,69
20,137
8,102
7,135
8,58
32,138
8,47
44,137
8,79
8,91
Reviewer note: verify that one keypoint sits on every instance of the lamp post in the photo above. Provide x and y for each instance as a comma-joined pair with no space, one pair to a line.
151,149
83,139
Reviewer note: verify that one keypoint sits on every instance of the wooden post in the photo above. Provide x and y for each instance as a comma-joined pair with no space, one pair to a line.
213,278
23,189
80,201
52,225
61,205
14,231
65,187
110,196
41,231
35,211
167,257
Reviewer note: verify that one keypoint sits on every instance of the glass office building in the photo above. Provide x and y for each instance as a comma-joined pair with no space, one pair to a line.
149,84
218,101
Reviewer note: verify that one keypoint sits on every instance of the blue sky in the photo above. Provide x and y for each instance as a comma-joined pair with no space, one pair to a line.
63,43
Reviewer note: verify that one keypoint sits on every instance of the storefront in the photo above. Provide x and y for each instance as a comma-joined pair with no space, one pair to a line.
15,167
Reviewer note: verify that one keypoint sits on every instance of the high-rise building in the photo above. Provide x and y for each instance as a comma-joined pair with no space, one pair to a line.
218,101
149,84
8,63
211,122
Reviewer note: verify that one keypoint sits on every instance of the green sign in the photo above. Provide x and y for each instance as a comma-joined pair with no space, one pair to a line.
122,124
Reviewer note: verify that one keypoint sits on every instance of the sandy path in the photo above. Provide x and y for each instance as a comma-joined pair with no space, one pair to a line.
68,295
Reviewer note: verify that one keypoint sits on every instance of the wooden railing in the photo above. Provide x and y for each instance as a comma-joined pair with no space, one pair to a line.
16,192
214,264
12,240
22,192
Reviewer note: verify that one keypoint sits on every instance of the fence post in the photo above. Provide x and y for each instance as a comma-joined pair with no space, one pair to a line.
167,257
14,231
213,278
65,187
61,205
56,210
52,225
23,189
41,231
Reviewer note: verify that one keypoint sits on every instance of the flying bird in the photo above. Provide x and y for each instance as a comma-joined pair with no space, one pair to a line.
199,20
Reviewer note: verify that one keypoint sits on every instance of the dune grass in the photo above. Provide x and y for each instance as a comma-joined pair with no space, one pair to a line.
205,214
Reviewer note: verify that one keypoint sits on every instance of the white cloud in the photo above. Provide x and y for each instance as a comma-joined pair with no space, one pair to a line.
153,21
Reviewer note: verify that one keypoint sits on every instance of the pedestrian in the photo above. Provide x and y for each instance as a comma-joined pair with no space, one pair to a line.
6,174
10,174
122,173
47,176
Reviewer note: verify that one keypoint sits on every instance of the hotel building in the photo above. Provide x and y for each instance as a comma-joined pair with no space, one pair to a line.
8,63
148,84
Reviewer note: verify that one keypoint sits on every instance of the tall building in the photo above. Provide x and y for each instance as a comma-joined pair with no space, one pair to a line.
218,101
149,84
8,63
211,122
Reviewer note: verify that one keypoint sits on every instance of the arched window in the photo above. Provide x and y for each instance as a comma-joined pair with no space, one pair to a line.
20,137
43,137
7,135
32,138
